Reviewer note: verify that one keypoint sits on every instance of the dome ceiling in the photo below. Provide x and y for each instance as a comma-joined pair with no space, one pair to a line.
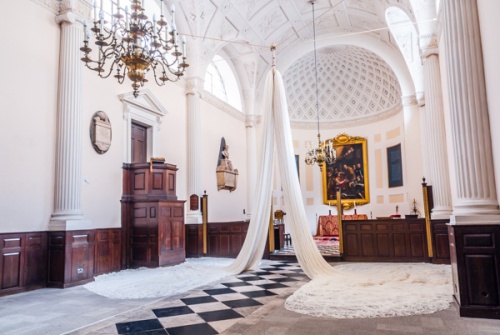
354,84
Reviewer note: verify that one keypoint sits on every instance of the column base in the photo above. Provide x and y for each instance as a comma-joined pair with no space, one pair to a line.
474,220
441,212
69,225
476,207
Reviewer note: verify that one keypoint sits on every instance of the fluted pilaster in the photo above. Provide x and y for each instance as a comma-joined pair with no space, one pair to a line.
470,128
68,186
193,145
435,138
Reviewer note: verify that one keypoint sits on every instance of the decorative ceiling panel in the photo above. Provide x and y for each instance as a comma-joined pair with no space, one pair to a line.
353,83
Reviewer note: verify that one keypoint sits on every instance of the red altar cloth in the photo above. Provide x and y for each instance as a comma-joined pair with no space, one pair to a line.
328,224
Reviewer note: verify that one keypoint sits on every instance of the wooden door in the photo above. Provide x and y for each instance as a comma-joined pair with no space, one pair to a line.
139,143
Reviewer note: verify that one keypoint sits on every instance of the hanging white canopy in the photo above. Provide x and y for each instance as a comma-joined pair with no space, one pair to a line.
277,130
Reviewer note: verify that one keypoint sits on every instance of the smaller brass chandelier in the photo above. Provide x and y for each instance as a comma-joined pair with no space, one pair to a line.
323,152
131,46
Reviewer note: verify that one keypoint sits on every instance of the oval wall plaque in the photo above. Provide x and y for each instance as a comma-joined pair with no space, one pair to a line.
100,132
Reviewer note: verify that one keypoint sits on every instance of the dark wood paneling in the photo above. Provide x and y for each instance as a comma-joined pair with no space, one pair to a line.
11,261
23,262
36,260
56,252
385,241
152,217
194,240
171,233
440,242
475,259
70,258
141,183
107,251
139,143
279,236
226,239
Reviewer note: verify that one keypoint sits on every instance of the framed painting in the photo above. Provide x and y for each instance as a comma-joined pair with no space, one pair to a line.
297,165
348,173
394,166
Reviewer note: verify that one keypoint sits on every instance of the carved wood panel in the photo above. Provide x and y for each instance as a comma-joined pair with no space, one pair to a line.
11,261
108,251
36,259
392,240
70,257
226,239
475,259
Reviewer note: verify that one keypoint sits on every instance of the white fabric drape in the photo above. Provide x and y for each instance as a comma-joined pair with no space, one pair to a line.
277,128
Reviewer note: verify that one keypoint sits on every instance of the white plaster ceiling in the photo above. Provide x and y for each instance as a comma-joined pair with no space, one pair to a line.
249,27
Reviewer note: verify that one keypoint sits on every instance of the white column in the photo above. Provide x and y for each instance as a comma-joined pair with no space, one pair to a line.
412,151
470,128
193,146
250,123
435,131
68,188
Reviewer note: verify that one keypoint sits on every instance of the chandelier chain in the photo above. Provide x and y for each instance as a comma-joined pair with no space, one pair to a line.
323,153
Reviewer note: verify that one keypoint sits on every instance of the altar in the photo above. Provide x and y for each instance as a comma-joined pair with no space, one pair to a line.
328,224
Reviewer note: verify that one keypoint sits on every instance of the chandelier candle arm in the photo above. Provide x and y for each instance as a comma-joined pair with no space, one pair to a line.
134,46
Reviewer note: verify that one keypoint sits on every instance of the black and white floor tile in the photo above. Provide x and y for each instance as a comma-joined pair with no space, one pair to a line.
212,310
331,250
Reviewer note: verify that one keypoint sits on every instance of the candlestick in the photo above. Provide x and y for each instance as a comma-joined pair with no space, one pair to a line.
174,30
126,18
101,18
85,30
172,11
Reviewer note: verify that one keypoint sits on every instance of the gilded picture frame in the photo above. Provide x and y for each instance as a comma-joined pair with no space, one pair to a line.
349,172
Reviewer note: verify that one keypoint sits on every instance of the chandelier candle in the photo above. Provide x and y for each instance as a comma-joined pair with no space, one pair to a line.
132,46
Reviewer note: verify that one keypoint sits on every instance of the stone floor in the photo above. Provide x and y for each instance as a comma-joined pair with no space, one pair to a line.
251,303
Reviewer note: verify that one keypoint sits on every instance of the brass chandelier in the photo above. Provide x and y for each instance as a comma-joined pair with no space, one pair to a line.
131,46
323,152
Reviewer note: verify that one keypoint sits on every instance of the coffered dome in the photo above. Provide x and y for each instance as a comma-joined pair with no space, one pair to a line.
354,85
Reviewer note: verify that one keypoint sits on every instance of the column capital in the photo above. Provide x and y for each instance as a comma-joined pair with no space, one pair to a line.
409,100
420,96
252,120
68,17
193,85
428,45
72,11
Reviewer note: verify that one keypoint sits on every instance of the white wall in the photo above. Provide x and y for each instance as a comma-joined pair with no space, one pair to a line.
27,130
383,200
29,125
223,205
102,193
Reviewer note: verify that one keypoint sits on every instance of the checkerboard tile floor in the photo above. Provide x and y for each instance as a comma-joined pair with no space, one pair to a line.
325,250
213,310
